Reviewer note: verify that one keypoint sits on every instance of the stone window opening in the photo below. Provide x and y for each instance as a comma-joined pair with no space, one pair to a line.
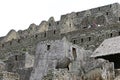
18,41
111,35
70,24
49,24
54,32
36,36
16,57
74,41
77,14
110,6
99,9
84,27
119,18
57,23
2,45
89,38
74,53
10,42
45,34
48,47
82,40
107,13
87,46
119,33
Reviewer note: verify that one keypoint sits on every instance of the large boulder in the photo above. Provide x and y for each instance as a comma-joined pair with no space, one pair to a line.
63,63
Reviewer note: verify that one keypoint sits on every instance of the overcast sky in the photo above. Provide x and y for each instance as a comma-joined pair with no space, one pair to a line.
19,14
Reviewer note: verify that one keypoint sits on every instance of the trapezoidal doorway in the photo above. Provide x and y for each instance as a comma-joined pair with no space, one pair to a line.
74,53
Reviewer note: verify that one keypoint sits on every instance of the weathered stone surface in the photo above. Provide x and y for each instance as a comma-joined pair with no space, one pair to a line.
10,36
52,55
43,27
10,76
29,60
59,58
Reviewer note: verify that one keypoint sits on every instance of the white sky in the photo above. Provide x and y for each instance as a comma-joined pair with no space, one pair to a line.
19,14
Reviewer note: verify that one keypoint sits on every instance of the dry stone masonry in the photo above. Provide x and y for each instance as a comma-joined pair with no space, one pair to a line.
80,46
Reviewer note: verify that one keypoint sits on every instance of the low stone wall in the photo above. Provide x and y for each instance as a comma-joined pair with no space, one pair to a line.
10,76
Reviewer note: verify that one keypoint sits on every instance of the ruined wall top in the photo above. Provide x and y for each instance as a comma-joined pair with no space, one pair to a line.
96,17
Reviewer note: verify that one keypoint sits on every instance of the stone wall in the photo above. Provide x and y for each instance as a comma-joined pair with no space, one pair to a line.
86,29
96,17
10,76
21,63
87,38
55,55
